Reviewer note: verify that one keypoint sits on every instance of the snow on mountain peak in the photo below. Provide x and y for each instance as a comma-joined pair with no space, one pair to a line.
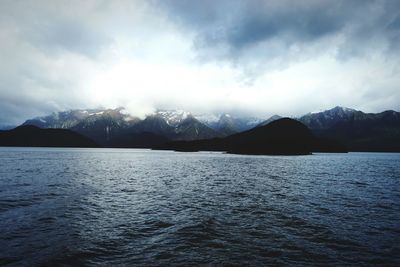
207,118
173,117
335,110
342,109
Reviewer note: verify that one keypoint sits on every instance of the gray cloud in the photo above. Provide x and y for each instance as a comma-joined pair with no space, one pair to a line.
53,27
252,56
232,30
68,35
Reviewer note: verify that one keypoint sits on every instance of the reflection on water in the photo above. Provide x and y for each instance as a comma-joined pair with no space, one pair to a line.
122,206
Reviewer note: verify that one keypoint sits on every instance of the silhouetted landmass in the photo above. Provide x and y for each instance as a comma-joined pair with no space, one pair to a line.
32,136
281,137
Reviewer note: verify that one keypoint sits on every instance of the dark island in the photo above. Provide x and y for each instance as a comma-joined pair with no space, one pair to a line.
281,137
32,136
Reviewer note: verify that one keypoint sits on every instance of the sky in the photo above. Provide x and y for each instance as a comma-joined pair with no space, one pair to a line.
253,57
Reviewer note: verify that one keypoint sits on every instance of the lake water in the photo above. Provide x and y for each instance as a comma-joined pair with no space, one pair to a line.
140,207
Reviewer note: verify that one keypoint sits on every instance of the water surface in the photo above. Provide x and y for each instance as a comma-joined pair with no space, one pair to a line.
138,207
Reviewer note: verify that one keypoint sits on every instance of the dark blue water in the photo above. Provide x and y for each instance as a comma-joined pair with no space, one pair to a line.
137,207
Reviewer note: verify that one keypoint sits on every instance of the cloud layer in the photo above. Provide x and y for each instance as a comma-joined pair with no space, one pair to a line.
256,57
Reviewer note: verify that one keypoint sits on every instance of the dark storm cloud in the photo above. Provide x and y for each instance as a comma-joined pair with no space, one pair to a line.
259,23
231,28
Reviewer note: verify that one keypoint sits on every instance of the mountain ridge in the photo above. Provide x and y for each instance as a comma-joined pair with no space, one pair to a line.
102,125
359,131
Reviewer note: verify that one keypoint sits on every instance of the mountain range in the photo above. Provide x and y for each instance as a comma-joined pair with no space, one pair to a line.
111,126
357,130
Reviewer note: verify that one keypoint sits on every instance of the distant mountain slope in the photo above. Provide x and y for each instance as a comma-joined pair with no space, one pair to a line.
61,120
173,117
269,120
186,128
154,124
368,132
33,136
281,137
217,125
103,126
100,125
192,129
227,124
7,127
328,118
359,131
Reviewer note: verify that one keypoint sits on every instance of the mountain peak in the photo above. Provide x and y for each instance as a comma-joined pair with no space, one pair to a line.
335,110
342,109
173,117
225,115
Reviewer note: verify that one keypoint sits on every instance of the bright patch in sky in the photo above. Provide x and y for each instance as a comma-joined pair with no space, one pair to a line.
253,57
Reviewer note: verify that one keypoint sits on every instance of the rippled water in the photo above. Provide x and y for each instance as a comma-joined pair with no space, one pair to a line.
138,207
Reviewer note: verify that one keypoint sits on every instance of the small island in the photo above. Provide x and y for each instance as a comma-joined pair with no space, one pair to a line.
281,137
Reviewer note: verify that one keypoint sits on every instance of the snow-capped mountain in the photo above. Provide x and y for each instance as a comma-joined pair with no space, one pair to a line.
328,118
176,125
106,125
191,127
70,118
63,120
321,119
155,124
173,117
101,125
228,124
223,124
208,119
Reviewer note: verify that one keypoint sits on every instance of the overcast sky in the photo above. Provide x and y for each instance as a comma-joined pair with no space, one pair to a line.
252,56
